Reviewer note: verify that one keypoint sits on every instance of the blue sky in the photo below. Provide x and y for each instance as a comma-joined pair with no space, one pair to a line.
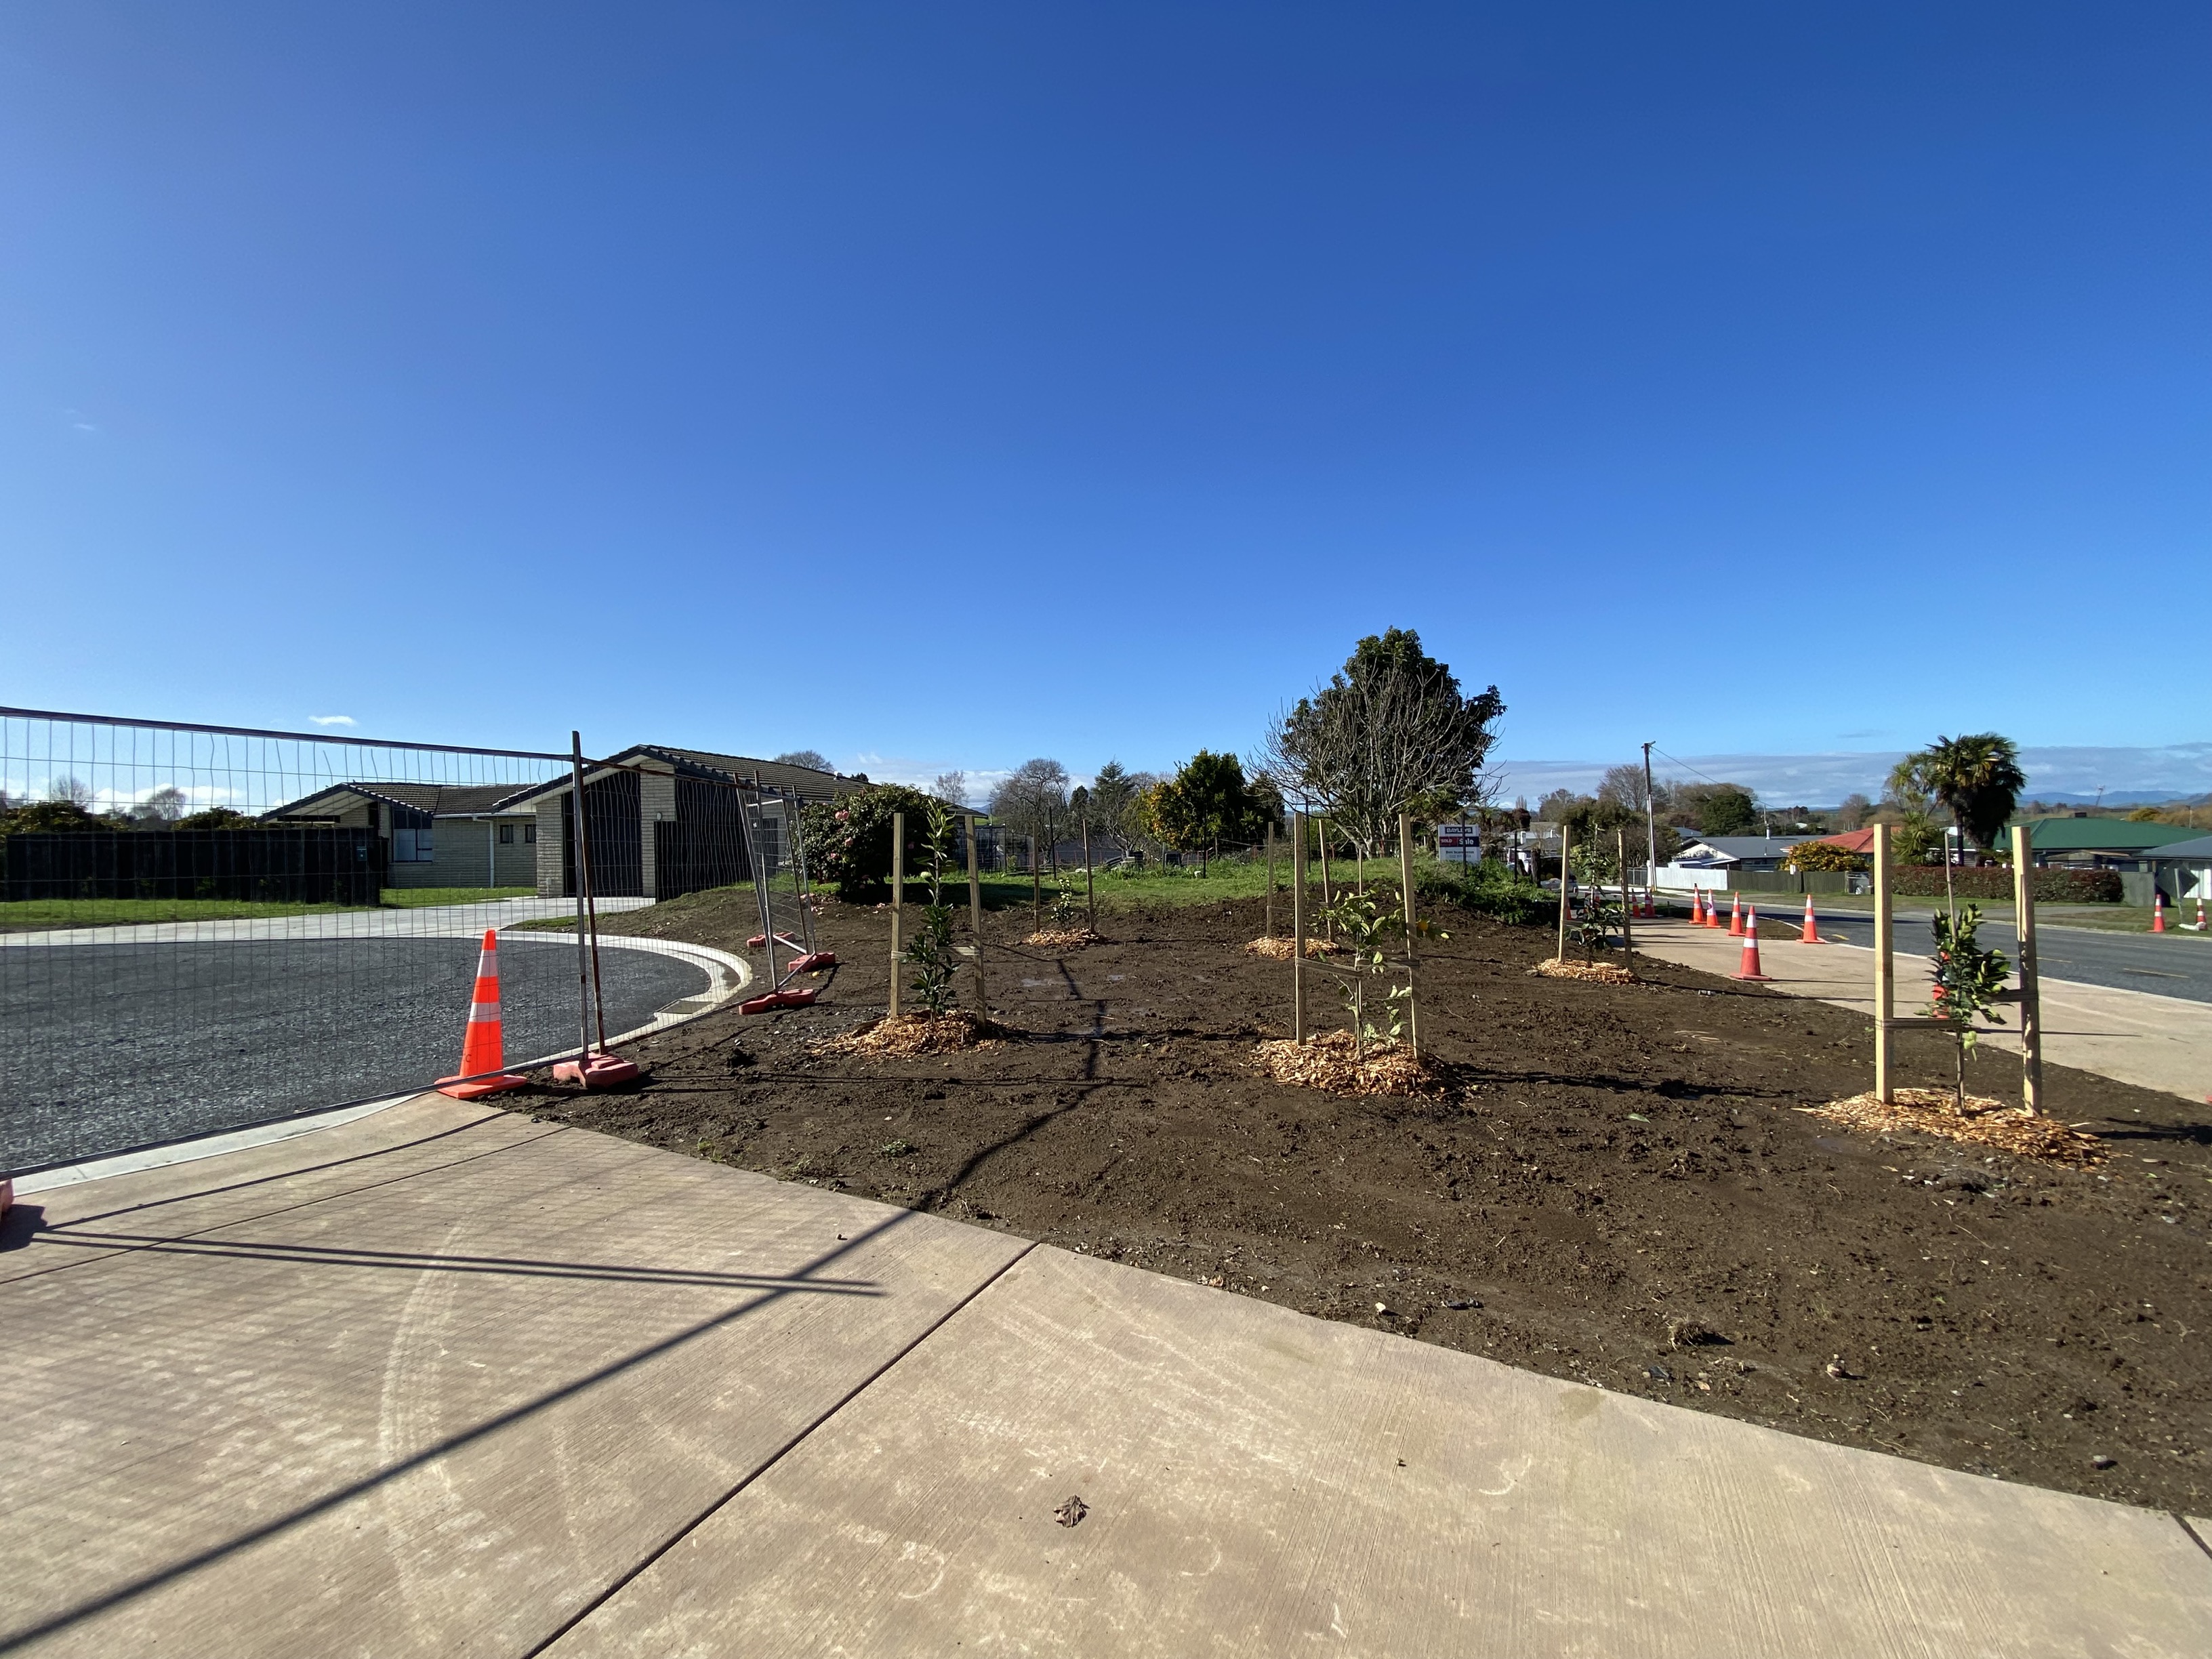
940,386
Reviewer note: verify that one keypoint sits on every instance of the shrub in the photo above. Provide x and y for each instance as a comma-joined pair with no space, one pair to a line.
1487,889
849,840
1995,881
1824,855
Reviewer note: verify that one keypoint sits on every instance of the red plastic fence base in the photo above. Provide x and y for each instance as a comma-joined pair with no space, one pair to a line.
792,996
482,1087
814,962
596,1071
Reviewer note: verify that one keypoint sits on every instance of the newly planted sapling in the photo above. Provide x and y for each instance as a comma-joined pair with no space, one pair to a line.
1968,978
1067,902
929,953
1596,915
1363,929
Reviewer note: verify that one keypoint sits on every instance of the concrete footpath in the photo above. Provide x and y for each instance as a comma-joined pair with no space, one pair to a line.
2152,1041
440,1381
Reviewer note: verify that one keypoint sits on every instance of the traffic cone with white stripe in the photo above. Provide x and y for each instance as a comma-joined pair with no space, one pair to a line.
481,1054
2157,911
1735,915
1712,911
1811,935
1750,967
2197,927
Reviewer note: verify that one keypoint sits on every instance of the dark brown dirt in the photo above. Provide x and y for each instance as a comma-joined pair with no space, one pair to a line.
1619,1175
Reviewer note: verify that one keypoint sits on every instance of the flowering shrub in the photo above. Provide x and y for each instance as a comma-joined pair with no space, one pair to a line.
849,840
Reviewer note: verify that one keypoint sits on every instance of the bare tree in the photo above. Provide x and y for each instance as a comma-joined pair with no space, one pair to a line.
1854,812
1033,801
813,757
1389,734
951,787
1623,786
76,791
164,806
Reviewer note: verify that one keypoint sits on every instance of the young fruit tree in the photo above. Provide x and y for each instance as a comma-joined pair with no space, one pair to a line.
1967,979
1390,734
1596,915
929,953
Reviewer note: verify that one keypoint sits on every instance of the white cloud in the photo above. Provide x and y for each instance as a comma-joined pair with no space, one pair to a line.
331,720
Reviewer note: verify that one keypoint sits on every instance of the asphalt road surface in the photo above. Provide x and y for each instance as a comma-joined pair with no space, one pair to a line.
2165,965
108,1047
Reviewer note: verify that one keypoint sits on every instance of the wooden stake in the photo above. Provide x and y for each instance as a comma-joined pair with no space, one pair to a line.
1405,875
1565,836
1271,878
1037,890
2031,1008
898,894
1090,893
975,918
1299,927
1885,967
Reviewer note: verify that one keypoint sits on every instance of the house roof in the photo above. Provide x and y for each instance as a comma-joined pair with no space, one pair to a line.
2071,834
2190,851
1851,840
803,782
1736,848
440,799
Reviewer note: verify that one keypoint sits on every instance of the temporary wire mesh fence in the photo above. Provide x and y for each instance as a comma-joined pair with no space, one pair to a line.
203,928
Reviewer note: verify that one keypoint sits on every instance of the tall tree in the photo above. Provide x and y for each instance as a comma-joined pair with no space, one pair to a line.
1209,801
813,757
1114,794
1390,734
951,788
1977,777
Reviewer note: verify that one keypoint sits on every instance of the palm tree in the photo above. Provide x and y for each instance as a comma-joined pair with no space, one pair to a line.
1977,777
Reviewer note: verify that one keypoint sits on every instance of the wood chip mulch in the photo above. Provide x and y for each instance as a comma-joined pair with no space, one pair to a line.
1278,949
1331,1061
1064,939
1983,1123
1600,973
910,1035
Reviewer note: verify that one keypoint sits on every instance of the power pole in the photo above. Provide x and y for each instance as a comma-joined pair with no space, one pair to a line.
1650,825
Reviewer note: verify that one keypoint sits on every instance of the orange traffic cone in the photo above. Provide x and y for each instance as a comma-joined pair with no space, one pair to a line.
1735,915
1712,911
481,1053
2157,911
2199,926
1750,967
1811,935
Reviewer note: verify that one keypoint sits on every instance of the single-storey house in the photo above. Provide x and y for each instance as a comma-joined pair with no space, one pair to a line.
1746,854
664,821
2182,870
2086,843
431,834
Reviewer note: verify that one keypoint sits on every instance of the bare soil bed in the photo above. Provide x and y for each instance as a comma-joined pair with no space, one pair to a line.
1616,1187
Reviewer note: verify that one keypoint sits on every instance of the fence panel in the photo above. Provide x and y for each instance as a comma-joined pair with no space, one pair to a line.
204,928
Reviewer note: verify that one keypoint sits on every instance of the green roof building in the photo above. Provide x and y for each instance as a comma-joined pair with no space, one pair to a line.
2100,841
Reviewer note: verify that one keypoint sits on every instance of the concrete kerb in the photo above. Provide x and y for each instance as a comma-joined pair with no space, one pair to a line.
728,976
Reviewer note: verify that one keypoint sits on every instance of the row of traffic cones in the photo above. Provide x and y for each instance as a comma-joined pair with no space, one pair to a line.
484,1064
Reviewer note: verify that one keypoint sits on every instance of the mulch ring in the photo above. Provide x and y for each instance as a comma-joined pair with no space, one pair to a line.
1064,939
1278,949
910,1035
1983,1122
1331,1060
1602,973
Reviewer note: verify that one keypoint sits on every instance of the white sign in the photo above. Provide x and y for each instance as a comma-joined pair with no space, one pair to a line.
1459,843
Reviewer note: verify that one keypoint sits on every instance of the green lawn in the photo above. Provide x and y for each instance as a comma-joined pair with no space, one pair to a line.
26,915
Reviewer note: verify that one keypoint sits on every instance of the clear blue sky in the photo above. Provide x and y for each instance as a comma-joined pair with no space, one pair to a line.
948,385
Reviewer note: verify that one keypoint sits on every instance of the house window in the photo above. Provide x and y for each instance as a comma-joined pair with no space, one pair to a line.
529,835
413,838
507,835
